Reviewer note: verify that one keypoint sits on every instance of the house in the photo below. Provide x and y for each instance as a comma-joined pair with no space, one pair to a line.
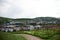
12,26
35,26
28,24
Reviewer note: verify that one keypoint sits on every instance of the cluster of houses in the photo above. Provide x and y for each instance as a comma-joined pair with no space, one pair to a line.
24,24
20,25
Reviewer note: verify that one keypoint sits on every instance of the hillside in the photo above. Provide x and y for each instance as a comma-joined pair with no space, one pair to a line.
48,19
4,19
37,19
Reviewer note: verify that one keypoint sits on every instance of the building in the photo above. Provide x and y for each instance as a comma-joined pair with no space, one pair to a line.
20,25
12,26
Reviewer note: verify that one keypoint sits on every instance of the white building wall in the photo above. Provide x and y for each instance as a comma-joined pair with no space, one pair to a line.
31,27
37,26
10,26
17,28
7,29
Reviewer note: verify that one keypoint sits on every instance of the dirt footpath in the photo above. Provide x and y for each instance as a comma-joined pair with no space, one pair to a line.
29,37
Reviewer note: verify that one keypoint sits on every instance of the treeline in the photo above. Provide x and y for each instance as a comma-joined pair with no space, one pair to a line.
38,19
48,20
4,20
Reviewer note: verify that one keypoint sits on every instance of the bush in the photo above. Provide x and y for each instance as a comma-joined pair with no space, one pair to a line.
55,37
44,33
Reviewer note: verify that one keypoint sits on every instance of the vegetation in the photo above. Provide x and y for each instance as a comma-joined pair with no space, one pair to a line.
8,36
38,19
55,37
47,34
4,20
17,32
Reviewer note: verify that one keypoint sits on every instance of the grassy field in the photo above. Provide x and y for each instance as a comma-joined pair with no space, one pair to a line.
8,36
47,34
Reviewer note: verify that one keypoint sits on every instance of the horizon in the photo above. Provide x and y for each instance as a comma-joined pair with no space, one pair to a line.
29,18
29,8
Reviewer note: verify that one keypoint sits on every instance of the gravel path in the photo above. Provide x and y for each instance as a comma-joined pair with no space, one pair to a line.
30,37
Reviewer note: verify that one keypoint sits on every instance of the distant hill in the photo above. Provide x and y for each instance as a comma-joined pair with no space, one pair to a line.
4,19
25,20
19,19
47,19
37,19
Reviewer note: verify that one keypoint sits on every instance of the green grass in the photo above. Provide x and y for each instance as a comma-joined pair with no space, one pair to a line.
55,37
17,32
8,36
46,34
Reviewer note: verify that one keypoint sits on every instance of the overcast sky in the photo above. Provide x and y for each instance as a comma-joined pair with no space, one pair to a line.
29,8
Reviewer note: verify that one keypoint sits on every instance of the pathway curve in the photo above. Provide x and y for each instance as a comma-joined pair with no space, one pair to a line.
29,37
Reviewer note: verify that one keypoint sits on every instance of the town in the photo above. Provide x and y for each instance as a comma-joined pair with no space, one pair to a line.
29,24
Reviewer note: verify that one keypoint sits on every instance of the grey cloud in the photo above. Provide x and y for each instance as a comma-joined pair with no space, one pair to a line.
57,0
2,2
11,11
14,10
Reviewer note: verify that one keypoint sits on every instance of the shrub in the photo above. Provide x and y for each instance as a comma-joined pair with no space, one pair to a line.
44,33
55,37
